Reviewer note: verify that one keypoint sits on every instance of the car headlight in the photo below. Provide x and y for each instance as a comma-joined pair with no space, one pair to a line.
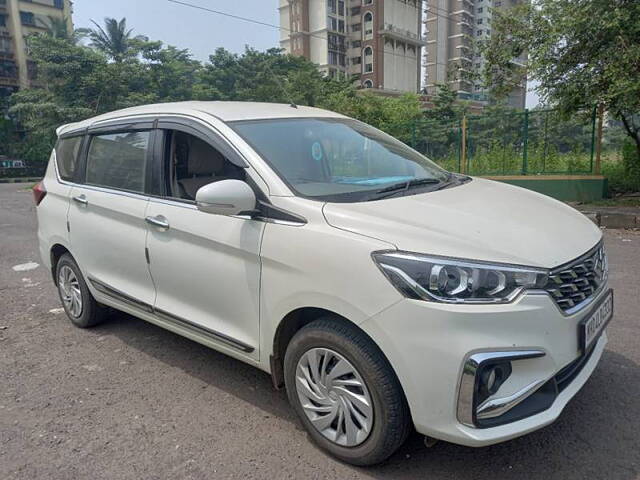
450,280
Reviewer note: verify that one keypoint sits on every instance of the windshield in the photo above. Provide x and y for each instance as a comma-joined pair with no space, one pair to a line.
339,160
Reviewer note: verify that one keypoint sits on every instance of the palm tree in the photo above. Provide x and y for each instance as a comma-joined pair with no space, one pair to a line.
56,27
114,39
59,28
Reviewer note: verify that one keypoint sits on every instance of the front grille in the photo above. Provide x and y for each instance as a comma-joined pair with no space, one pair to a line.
576,282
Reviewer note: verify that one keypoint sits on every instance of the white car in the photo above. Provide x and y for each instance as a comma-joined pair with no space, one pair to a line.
381,291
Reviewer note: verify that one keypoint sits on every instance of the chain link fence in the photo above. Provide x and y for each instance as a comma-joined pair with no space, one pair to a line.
531,142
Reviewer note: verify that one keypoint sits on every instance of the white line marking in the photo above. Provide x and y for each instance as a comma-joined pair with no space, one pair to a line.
23,267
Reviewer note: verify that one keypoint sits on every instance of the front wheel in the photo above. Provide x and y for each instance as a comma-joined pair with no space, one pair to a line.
345,392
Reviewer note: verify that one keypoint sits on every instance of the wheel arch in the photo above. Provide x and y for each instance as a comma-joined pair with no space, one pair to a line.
57,251
291,324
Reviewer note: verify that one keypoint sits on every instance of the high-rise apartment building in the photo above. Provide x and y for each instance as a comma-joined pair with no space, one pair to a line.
379,42
19,18
451,27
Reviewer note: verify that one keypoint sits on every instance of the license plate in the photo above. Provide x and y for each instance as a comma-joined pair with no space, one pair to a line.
590,329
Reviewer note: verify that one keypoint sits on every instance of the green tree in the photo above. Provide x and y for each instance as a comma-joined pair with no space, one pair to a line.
581,52
114,40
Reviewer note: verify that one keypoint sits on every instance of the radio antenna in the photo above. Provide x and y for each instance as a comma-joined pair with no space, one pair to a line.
287,95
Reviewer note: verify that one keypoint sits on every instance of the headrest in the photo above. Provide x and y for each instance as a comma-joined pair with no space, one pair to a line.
204,159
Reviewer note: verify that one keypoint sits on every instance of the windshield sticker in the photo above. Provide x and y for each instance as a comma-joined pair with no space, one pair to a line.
316,151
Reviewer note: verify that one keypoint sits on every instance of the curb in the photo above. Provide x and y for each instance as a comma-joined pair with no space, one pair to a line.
20,180
613,220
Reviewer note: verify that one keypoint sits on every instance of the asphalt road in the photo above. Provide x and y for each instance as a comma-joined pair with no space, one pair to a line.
130,400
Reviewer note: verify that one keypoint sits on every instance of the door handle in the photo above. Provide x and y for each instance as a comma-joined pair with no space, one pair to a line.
81,199
158,221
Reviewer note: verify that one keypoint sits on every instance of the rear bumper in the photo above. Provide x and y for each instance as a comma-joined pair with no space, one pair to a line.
429,343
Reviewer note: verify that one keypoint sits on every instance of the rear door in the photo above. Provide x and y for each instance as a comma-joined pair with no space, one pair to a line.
107,211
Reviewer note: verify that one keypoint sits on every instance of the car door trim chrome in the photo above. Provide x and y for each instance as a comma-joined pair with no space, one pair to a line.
220,337
121,296
170,318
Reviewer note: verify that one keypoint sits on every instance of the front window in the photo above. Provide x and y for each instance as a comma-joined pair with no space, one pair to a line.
339,160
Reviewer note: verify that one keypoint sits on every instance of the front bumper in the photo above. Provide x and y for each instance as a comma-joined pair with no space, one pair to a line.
428,344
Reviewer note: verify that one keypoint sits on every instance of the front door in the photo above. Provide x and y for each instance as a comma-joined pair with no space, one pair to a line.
206,268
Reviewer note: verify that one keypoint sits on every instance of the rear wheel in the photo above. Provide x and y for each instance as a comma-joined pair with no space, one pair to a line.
345,392
80,306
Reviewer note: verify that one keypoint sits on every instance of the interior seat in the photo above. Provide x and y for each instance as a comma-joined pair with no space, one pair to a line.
204,165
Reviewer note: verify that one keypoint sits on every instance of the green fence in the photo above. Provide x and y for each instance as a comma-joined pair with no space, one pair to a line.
531,142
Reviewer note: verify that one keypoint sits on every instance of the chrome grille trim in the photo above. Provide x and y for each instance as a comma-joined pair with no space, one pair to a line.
573,285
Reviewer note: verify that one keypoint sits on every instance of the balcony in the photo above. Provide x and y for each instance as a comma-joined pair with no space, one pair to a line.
9,81
401,34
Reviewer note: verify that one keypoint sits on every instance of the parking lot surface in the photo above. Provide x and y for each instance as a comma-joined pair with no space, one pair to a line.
130,400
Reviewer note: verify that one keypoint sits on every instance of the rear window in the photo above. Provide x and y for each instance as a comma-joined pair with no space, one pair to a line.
118,160
67,151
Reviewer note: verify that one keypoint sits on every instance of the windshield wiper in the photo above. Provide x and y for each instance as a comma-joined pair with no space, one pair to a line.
402,186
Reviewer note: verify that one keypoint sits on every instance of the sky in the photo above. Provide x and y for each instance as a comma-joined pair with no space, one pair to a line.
199,31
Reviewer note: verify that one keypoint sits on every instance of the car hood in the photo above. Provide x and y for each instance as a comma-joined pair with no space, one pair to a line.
479,220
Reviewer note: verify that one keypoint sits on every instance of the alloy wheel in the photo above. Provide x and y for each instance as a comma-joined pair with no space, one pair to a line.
70,291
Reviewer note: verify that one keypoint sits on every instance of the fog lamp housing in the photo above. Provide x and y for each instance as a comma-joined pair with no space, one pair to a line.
483,374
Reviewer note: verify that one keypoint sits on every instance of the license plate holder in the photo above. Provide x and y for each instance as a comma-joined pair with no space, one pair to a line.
590,329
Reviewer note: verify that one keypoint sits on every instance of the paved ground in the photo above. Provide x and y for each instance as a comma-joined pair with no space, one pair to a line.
129,400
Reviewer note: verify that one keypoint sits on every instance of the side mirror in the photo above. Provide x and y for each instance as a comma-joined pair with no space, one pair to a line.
226,197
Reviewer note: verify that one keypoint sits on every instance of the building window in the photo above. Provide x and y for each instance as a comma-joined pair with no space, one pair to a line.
355,11
3,20
368,60
498,4
335,24
368,2
336,42
8,69
356,60
368,26
27,18
367,84
356,44
332,6
356,27
479,32
58,4
32,70
479,21
341,8
6,45
480,10
336,58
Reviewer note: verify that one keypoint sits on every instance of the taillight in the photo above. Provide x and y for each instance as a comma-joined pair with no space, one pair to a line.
39,192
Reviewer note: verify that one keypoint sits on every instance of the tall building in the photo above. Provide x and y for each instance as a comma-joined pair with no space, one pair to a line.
451,26
19,18
378,42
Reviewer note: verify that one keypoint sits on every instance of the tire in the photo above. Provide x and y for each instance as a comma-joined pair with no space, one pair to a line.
71,284
324,344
